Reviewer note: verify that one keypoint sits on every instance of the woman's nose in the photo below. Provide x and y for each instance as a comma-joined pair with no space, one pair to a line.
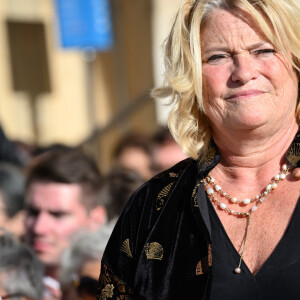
244,69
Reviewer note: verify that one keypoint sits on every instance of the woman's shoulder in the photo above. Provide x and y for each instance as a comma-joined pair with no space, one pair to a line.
147,202
161,185
184,169
139,218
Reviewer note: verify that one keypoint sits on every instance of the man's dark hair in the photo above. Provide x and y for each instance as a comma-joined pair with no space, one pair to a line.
12,182
134,141
69,166
118,186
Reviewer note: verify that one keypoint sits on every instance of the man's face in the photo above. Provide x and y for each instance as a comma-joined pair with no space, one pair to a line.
55,213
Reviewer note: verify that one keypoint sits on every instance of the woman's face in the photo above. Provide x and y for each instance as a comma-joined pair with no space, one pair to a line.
246,83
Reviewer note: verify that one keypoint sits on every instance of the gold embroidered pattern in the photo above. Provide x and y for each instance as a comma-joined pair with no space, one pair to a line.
194,194
111,286
154,251
173,175
209,257
126,248
208,158
107,292
199,270
161,198
204,263
293,154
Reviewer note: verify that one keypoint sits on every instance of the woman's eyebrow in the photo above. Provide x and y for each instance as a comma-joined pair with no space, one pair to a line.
227,49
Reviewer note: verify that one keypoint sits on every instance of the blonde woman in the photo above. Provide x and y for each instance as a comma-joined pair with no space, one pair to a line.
224,224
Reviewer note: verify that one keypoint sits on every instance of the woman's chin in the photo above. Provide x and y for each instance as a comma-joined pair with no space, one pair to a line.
248,123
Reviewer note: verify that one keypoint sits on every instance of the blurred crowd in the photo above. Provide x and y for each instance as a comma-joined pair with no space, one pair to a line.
57,211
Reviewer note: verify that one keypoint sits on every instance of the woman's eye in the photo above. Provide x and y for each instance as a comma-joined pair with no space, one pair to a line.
265,52
214,59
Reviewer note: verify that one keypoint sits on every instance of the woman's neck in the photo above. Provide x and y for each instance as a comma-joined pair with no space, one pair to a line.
252,156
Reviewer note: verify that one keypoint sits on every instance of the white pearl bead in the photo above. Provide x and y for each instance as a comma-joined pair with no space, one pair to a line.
269,187
246,201
277,177
210,191
266,193
234,199
254,208
284,167
274,185
224,194
282,176
212,180
262,199
257,197
223,205
237,270
217,188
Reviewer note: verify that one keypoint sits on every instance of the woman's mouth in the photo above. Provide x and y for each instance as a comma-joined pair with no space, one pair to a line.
244,94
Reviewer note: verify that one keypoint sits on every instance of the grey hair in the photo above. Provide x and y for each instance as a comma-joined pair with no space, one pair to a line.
84,247
21,271
12,184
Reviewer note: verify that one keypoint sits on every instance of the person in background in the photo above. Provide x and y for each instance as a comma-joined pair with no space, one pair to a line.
40,150
62,198
12,203
21,272
134,152
81,264
118,186
166,151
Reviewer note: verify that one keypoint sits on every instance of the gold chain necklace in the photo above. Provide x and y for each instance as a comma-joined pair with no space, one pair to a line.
211,188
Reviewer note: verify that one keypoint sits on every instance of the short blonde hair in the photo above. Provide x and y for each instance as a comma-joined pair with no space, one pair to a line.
278,21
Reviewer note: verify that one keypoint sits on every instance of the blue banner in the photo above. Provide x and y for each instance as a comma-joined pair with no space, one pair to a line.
85,23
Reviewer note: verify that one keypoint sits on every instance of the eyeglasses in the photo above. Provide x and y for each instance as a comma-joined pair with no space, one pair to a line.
86,287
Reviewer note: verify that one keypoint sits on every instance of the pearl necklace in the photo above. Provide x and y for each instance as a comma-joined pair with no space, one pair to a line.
211,187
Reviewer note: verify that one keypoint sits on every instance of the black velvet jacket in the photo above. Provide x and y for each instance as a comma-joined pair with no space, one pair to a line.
161,246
